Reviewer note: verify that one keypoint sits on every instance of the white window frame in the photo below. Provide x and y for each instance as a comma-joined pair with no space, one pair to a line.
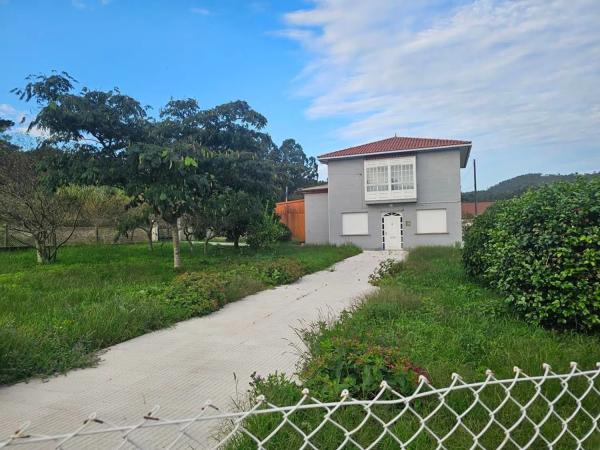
429,221
383,188
355,224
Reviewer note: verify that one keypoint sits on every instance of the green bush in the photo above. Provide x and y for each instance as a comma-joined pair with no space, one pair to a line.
542,250
343,363
200,293
264,232
279,271
197,293
285,234
387,269
475,239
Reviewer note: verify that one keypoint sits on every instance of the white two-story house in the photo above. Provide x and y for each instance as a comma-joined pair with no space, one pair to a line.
391,194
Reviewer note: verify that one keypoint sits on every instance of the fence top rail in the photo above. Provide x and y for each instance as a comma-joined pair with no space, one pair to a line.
262,406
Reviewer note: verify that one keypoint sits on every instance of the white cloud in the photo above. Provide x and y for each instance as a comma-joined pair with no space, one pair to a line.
10,112
200,11
22,119
502,73
79,4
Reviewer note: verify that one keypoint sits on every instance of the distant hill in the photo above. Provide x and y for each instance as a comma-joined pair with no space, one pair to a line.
517,185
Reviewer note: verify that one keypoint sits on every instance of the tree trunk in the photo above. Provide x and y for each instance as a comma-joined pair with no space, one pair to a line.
176,249
97,231
149,235
42,253
236,242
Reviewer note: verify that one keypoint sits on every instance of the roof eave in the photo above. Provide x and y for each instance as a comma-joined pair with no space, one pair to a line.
324,159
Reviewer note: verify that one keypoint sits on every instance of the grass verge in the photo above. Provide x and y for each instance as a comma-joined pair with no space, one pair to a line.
429,317
56,317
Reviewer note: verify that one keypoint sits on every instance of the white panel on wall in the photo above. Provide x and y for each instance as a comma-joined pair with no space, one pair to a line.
431,221
355,223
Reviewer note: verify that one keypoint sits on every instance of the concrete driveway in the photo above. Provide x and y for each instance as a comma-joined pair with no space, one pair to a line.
181,367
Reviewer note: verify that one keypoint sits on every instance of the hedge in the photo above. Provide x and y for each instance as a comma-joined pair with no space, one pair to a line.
542,250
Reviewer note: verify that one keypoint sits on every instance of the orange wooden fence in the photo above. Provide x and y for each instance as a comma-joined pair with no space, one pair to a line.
292,214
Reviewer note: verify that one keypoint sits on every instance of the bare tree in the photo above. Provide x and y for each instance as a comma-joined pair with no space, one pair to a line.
31,209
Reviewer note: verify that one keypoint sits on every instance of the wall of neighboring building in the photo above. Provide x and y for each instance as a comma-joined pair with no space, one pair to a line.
316,215
438,187
291,213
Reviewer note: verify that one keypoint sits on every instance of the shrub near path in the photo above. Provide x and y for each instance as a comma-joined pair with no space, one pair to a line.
542,251
428,318
54,318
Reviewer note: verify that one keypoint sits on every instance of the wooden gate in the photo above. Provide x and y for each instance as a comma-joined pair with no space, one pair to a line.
291,213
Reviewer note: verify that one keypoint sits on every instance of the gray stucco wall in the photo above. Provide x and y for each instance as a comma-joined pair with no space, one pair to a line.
438,187
316,218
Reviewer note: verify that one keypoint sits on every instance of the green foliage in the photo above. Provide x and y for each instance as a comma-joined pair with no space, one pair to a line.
101,205
517,185
138,217
55,317
237,211
542,250
285,234
5,125
475,239
265,231
279,271
197,293
294,169
336,363
435,316
30,208
387,268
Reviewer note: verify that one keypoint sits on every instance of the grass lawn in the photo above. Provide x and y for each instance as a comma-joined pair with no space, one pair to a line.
55,317
445,323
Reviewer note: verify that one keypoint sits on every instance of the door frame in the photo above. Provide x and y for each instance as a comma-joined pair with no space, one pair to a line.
383,216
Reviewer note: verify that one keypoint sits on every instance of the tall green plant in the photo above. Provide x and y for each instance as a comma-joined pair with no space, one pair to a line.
542,250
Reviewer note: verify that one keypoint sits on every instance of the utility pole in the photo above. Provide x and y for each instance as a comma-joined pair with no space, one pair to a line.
286,193
475,183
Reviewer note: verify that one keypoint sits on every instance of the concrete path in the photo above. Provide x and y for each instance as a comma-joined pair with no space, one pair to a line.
181,367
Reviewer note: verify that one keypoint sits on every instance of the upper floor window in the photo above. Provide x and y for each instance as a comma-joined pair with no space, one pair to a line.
390,178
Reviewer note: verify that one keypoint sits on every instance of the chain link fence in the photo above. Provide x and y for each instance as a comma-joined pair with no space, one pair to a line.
550,411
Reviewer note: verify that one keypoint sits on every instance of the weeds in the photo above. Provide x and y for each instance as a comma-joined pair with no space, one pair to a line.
54,318
427,318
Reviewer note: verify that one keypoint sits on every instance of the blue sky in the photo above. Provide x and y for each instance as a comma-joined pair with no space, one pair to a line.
519,78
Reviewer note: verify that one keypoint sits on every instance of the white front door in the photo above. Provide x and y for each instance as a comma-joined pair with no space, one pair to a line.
392,232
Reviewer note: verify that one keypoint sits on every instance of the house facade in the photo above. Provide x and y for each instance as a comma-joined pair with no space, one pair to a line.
396,193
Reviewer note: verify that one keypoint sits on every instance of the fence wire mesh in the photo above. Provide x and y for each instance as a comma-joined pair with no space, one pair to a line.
551,410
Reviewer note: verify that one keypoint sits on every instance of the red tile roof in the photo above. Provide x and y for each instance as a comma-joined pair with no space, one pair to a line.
394,144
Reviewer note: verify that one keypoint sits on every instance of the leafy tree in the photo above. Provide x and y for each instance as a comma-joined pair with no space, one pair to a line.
205,222
5,124
265,231
101,205
239,210
173,164
30,208
169,180
106,120
140,217
234,126
294,169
